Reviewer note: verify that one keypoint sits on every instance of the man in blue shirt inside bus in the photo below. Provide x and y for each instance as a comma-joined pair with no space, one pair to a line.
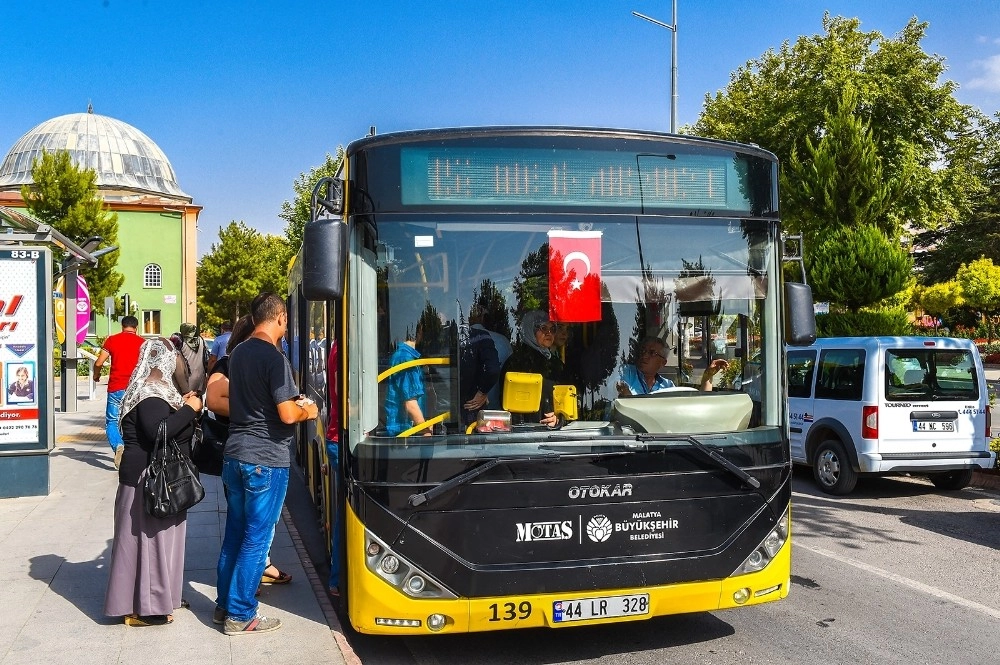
404,397
643,377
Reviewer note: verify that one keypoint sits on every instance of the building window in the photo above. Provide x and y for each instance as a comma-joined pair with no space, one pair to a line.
152,277
151,322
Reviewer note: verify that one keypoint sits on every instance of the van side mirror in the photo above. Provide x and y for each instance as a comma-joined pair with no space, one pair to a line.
800,317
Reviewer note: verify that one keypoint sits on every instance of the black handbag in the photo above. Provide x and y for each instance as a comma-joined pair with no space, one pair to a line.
208,446
172,484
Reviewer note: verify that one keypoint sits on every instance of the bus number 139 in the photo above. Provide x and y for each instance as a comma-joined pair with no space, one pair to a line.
509,611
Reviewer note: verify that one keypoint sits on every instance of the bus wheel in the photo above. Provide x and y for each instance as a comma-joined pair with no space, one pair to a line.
832,468
952,480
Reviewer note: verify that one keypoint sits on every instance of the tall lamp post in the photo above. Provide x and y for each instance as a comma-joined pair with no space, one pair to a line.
672,27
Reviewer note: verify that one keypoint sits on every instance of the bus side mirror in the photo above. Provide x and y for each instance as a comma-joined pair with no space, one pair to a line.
800,317
324,253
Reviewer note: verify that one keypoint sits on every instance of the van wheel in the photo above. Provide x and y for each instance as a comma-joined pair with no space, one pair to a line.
832,468
952,480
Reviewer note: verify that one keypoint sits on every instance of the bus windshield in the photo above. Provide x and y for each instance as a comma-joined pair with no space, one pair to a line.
602,287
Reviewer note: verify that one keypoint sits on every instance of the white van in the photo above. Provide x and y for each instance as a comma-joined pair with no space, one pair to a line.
883,405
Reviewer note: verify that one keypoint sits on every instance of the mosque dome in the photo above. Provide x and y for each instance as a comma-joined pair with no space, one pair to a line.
123,158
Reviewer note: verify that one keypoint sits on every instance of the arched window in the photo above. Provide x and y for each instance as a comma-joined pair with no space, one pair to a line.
151,277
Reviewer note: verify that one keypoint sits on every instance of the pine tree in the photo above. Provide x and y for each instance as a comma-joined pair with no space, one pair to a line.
66,198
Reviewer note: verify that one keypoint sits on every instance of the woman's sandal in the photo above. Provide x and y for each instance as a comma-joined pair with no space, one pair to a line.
280,578
149,620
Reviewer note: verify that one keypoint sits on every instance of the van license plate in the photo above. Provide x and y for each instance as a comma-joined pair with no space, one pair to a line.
933,426
600,608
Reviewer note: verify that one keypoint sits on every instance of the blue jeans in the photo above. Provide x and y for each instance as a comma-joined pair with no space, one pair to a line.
333,459
112,415
254,496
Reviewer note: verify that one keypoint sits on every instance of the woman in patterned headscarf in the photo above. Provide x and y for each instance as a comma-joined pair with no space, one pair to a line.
147,557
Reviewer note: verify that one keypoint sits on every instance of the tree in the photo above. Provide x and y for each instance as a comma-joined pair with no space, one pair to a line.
977,233
489,301
980,282
65,197
531,286
937,299
296,213
857,267
841,180
240,266
781,98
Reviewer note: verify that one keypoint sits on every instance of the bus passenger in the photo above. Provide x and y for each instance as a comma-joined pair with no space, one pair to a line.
478,367
643,378
405,396
535,354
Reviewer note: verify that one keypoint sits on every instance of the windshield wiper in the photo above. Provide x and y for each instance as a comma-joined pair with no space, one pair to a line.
461,479
709,452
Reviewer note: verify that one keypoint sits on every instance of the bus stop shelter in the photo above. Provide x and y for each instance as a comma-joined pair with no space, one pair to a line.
27,422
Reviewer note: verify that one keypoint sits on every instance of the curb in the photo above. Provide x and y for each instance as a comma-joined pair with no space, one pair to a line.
319,589
989,481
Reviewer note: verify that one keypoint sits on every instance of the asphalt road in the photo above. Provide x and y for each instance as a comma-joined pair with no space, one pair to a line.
897,572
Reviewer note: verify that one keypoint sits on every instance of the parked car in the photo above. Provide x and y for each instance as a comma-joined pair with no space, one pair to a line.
888,405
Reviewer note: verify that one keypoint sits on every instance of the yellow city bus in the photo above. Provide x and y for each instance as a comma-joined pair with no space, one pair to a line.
631,505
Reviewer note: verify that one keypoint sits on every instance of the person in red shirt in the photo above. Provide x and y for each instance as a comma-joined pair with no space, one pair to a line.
123,349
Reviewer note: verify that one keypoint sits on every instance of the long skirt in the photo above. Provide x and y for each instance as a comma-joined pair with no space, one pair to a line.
147,558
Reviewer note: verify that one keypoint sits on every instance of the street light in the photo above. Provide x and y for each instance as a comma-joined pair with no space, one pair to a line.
672,27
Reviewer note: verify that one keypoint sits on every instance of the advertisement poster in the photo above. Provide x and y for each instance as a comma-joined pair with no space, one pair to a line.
82,309
25,349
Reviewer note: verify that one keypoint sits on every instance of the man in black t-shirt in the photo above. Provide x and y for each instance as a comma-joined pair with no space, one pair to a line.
264,406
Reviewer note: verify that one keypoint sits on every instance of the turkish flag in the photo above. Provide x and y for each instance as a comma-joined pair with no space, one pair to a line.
575,276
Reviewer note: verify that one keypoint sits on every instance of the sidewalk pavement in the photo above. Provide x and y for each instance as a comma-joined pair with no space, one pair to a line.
57,549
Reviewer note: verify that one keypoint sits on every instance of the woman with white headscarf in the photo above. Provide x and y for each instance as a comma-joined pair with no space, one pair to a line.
147,557
535,353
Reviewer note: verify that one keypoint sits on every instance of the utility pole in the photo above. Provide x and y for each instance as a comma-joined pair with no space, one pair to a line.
672,27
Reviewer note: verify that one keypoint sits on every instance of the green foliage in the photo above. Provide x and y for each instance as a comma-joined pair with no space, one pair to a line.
66,198
241,265
864,324
857,267
781,98
733,370
937,299
995,443
531,286
840,182
296,213
977,232
980,282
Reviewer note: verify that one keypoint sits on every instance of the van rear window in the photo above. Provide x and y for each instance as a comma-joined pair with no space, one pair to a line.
930,374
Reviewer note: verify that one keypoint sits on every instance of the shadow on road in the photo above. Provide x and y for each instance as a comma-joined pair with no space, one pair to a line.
543,645
824,512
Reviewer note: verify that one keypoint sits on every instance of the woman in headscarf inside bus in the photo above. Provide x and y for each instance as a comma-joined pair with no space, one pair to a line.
147,557
535,353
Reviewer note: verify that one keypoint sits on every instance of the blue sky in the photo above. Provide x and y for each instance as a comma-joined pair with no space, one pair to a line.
244,96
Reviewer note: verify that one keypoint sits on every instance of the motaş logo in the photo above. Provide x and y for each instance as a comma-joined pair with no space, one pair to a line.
533,531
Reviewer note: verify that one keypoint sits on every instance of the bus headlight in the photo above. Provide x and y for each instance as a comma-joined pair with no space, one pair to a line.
400,573
767,549
390,564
